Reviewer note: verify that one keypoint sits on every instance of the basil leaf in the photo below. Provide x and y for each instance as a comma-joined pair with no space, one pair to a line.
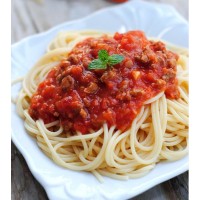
103,55
97,64
104,60
115,59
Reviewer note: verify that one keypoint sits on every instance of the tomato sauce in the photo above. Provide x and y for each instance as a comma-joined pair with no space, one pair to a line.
84,99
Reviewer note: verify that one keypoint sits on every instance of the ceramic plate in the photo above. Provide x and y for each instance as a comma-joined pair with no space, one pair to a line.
156,20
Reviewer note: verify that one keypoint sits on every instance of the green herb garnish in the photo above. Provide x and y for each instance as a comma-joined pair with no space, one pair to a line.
104,60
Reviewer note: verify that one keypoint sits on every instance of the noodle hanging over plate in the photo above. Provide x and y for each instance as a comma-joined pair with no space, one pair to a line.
159,130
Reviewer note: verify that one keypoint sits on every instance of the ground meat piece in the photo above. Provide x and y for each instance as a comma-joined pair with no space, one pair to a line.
67,83
92,88
159,84
83,113
123,85
136,92
108,75
73,59
146,57
56,114
169,74
86,102
158,46
123,96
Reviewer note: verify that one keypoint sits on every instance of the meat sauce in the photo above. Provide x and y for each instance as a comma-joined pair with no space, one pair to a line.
84,99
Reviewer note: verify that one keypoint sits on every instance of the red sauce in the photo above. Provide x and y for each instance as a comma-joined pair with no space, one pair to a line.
84,99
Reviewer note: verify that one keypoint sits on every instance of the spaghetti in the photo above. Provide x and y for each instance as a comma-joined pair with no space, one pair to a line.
158,132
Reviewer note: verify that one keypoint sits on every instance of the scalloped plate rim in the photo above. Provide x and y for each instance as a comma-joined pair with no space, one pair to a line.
27,157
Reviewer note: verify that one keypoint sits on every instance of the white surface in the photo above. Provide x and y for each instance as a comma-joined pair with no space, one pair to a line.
157,21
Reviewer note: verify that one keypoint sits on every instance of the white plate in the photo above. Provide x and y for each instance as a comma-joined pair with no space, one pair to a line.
157,21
